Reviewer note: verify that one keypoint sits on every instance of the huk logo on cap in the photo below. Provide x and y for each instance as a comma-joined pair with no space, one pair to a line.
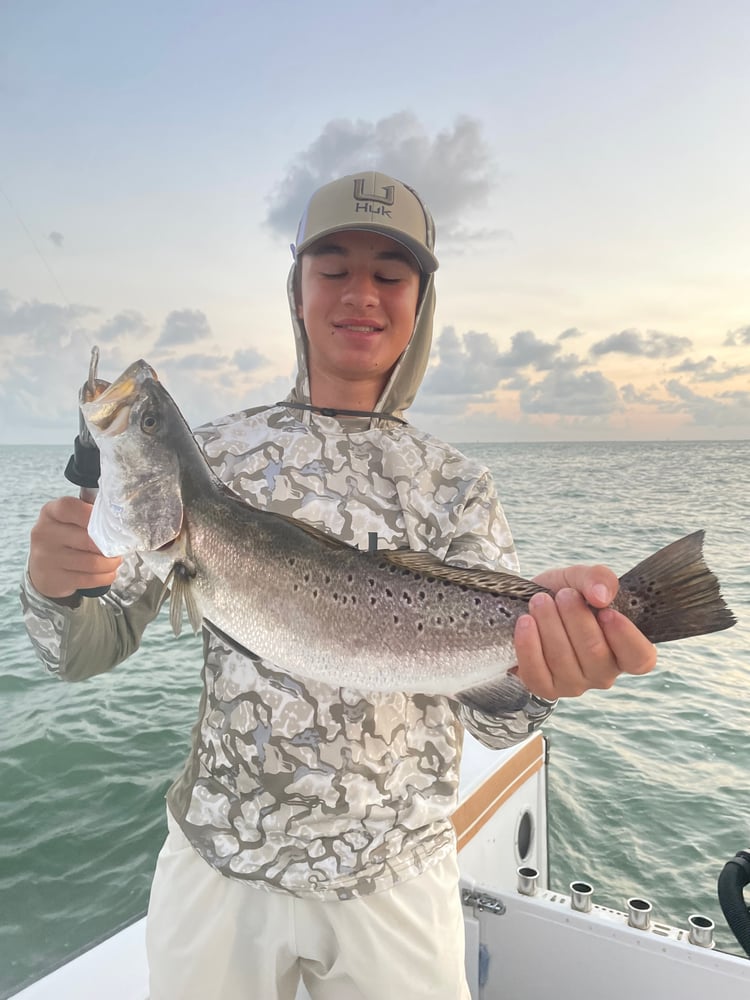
373,204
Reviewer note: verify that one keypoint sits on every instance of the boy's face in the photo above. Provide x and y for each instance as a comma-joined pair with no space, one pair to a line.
359,294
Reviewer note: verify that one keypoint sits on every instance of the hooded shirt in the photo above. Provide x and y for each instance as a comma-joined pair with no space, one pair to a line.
290,784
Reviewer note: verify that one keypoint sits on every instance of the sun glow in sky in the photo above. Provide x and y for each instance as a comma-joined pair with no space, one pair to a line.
587,165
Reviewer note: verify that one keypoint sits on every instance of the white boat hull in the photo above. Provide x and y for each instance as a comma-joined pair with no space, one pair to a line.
538,946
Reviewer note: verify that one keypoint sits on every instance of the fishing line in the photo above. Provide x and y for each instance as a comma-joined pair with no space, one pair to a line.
35,246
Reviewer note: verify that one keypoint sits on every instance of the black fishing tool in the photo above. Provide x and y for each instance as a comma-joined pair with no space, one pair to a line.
83,467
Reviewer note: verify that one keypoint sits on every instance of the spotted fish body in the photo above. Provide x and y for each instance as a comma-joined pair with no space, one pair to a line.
383,622
315,607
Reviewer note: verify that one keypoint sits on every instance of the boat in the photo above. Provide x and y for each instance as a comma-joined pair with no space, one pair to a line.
524,939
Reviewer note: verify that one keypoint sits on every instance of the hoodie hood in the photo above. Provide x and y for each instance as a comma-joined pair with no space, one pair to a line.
408,222
407,375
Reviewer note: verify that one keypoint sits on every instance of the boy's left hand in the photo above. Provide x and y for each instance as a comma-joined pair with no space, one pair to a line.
564,649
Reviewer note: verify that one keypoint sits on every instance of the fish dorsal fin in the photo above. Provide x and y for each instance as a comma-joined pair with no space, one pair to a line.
426,564
504,584
320,536
423,563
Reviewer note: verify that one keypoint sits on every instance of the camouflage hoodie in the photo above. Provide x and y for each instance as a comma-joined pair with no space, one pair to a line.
293,785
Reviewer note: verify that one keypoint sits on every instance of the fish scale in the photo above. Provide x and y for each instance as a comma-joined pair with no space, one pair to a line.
342,616
272,586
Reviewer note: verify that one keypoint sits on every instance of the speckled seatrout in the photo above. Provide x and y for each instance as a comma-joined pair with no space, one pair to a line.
385,621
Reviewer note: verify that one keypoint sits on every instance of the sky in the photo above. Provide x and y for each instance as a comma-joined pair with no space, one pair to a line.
587,165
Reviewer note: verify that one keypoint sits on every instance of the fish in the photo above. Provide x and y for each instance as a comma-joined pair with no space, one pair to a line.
318,608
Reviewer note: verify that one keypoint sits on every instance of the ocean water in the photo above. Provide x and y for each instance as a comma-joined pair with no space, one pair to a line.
649,782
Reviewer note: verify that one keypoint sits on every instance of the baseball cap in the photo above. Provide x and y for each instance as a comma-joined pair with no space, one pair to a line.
375,202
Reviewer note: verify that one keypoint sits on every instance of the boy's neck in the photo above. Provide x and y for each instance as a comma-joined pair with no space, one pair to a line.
345,395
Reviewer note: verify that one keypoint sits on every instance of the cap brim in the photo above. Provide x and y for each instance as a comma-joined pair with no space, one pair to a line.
427,262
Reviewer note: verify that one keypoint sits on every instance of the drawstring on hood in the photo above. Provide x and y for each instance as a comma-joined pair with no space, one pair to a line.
378,203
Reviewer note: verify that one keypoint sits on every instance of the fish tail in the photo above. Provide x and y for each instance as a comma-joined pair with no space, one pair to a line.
673,594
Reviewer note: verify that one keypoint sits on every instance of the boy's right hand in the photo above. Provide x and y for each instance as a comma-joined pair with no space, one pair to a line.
62,556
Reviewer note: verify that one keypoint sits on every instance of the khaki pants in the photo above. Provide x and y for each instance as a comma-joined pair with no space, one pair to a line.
211,938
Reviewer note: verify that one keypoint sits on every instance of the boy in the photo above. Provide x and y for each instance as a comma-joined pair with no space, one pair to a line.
310,832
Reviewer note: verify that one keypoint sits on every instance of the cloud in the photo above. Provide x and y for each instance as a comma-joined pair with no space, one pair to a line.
452,169
183,326
724,374
471,366
651,345
44,356
441,404
527,349
516,382
706,370
738,337
130,321
573,331
194,362
249,360
40,378
40,323
630,395
467,366
56,238
563,392
694,367
727,409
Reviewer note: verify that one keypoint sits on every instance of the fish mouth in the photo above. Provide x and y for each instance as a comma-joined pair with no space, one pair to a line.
109,412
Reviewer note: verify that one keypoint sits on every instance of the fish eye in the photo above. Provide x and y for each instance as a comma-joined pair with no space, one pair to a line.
149,422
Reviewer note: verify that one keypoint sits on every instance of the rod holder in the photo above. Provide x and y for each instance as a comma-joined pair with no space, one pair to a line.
580,896
527,880
639,914
701,930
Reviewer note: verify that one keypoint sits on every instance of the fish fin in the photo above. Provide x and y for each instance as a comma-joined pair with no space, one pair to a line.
498,697
176,590
175,606
320,536
165,590
228,640
503,584
673,594
191,606
178,585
